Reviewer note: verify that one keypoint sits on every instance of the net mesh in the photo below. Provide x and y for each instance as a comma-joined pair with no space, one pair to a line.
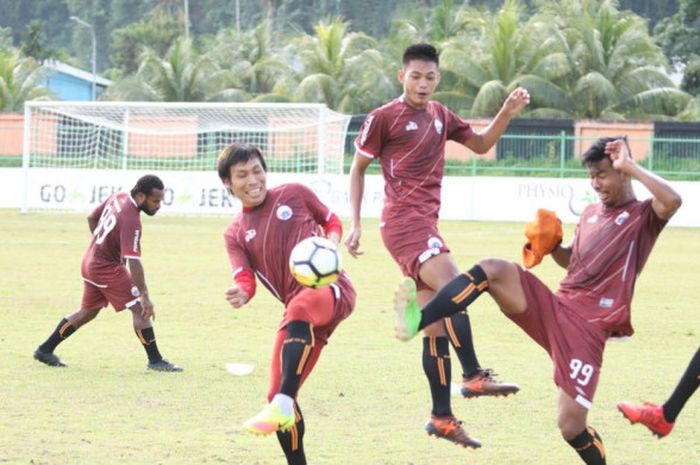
182,136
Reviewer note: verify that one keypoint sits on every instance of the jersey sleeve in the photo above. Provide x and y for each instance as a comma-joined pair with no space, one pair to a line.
319,211
130,236
458,129
237,256
370,140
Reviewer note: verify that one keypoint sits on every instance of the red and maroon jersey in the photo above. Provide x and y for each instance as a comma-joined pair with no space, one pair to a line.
260,239
117,235
610,248
410,145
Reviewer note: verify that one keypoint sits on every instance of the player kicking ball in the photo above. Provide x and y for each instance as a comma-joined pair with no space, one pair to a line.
612,242
116,238
259,242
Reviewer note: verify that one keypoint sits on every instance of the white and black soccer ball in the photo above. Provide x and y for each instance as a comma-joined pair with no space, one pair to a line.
315,262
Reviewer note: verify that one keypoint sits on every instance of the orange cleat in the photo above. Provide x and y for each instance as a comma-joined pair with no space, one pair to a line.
484,384
648,414
451,429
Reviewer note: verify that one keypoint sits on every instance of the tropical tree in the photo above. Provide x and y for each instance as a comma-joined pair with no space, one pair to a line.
504,52
157,33
342,69
617,69
182,75
20,80
252,62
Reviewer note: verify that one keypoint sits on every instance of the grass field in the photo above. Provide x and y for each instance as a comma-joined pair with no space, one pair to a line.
367,399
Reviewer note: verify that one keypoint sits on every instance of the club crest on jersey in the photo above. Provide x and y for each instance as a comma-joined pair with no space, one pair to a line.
250,234
135,291
434,242
621,218
438,126
284,212
411,126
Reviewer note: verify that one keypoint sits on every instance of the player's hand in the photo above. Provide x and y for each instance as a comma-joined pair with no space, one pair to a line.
620,155
516,101
147,309
352,242
236,296
334,238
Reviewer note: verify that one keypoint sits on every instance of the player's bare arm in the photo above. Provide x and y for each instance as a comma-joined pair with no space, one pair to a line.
666,201
482,141
236,296
357,187
139,277
562,255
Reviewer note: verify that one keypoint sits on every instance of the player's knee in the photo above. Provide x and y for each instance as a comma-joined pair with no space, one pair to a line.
299,313
82,316
570,427
494,268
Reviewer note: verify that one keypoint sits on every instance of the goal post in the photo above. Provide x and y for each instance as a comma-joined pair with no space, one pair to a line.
78,141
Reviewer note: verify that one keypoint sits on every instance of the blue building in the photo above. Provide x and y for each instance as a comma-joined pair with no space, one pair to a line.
70,83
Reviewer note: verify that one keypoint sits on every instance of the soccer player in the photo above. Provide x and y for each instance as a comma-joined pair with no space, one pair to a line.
661,418
258,242
408,136
116,238
612,242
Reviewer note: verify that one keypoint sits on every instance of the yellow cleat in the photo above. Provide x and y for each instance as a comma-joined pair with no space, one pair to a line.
269,420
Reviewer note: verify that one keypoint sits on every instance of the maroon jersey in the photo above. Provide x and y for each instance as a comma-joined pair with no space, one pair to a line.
117,235
260,239
410,145
610,248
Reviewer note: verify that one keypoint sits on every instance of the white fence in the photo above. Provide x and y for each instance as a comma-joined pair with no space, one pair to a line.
470,198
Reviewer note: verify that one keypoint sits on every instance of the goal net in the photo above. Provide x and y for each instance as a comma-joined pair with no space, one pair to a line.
101,140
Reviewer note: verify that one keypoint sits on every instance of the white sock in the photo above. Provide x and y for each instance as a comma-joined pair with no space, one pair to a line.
285,402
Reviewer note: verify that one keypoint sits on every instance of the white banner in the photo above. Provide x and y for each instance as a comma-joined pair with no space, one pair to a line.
464,198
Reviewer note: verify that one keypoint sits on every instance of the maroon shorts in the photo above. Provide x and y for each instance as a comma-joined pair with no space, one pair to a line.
324,308
575,346
109,286
411,242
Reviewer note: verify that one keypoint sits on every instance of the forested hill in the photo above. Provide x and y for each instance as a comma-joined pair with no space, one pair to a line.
46,24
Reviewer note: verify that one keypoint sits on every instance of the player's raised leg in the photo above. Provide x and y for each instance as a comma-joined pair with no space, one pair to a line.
452,298
294,356
476,381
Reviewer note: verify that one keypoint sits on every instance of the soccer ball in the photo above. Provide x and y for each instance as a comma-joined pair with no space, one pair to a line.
315,262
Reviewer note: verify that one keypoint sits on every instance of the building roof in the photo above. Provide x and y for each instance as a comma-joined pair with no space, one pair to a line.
76,72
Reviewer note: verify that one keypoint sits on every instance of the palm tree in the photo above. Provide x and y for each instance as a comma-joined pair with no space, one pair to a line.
504,54
252,63
342,69
20,80
617,69
183,75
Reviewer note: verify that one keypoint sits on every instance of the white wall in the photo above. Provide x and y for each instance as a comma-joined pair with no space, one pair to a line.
464,198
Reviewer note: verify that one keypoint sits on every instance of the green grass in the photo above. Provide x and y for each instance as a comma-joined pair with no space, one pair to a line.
367,399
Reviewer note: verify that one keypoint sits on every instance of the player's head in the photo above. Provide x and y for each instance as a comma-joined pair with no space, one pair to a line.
148,194
243,171
612,186
419,74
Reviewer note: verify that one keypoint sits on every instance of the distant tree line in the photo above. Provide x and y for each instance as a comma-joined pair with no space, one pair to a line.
578,58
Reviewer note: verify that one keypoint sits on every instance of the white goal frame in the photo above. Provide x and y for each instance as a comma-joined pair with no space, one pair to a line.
80,140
